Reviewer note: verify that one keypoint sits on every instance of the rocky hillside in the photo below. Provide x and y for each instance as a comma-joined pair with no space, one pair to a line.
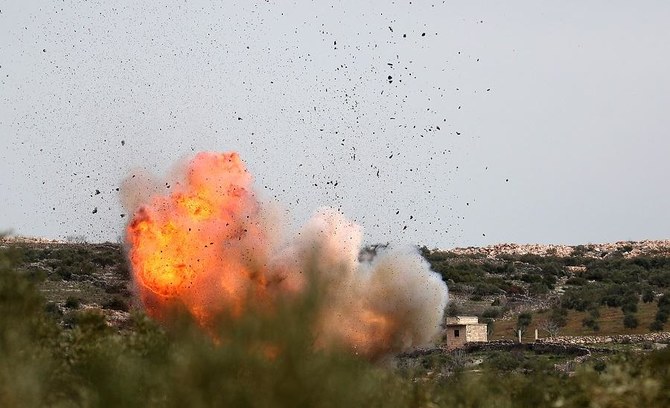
627,249
593,289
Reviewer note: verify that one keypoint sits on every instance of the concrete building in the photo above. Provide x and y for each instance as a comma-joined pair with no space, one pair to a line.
464,329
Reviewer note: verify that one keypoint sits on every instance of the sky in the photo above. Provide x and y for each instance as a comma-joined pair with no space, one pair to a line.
437,123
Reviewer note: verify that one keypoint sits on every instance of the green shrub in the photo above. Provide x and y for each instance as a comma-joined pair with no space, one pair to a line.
491,313
629,307
630,321
648,296
116,303
523,321
656,326
72,302
559,316
591,323
504,361
577,281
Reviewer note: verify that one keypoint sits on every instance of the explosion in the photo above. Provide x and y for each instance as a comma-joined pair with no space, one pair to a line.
207,242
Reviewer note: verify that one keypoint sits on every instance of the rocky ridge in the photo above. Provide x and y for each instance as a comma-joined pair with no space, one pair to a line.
628,249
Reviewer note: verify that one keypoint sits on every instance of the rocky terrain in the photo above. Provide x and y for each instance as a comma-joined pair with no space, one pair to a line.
629,249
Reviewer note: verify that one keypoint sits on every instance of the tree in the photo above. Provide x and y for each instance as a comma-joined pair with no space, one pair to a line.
523,321
656,326
490,327
630,321
453,309
559,316
550,326
648,295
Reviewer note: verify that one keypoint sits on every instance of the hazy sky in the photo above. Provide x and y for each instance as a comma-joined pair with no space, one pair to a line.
467,122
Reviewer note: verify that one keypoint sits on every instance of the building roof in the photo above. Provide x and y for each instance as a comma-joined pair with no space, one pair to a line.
462,320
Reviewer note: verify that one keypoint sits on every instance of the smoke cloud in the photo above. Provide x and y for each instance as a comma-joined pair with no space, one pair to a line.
207,241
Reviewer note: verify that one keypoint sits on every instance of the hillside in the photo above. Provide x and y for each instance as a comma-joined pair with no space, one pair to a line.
594,289
568,290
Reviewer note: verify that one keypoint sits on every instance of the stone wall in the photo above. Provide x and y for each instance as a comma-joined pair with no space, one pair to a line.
476,332
542,348
660,337
454,341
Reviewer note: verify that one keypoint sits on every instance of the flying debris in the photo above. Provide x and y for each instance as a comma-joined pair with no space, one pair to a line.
210,244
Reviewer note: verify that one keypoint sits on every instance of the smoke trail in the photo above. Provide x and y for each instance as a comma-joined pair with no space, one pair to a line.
210,244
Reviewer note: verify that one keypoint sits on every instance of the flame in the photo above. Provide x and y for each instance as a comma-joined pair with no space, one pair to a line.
193,244
207,244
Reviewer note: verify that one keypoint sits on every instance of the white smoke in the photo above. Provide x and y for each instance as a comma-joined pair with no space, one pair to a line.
392,303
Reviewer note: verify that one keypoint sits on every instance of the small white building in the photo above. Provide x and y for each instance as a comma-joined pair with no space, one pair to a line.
464,329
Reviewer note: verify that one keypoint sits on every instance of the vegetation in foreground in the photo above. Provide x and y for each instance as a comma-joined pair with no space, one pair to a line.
262,361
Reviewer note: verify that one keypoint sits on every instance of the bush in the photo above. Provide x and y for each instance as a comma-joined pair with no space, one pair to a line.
537,289
630,321
591,323
52,309
453,309
656,326
490,327
576,281
629,308
559,316
504,361
116,303
72,302
486,289
491,313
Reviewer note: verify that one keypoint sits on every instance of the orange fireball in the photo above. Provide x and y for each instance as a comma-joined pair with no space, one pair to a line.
194,245
205,244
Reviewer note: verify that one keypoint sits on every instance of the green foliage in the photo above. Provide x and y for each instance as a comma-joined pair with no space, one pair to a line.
523,321
504,361
452,309
72,302
116,303
25,334
656,326
559,316
591,323
648,295
537,289
491,313
629,307
576,281
630,321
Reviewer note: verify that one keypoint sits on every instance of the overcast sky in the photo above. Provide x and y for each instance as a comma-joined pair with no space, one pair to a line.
468,122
